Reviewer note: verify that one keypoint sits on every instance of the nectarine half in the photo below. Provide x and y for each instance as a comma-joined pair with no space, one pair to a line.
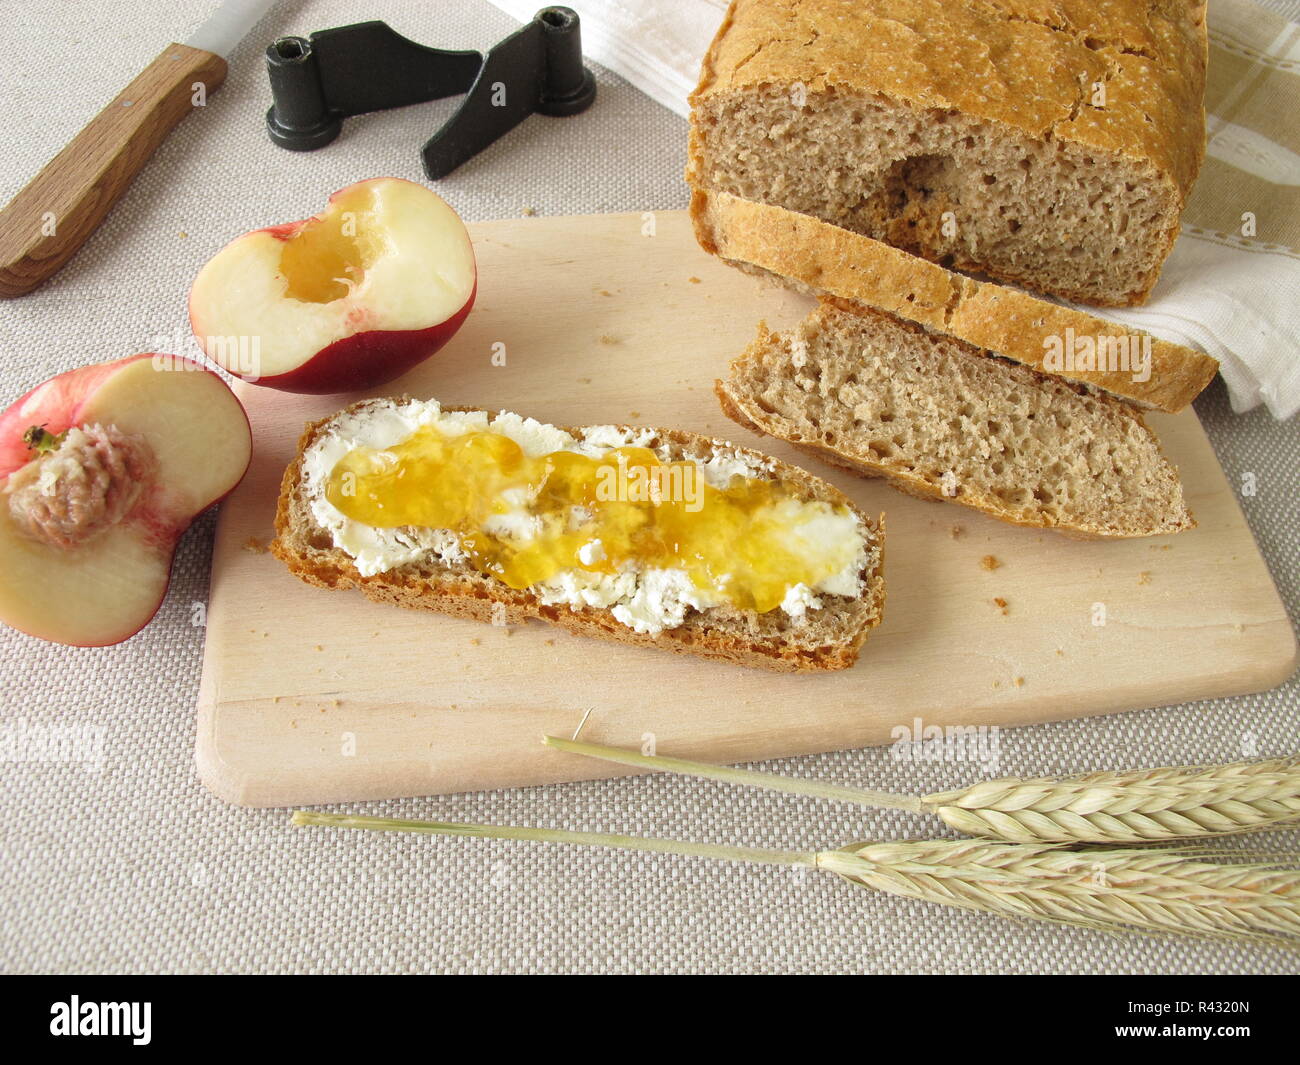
344,301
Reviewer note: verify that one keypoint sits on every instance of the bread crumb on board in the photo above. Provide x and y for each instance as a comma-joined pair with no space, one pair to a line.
255,546
608,340
1001,604
1020,682
694,280
990,562
1144,577
956,531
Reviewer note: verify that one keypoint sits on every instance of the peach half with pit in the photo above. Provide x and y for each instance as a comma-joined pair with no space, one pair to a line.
101,470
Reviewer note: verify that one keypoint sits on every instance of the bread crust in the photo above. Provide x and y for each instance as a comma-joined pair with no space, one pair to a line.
849,266
723,634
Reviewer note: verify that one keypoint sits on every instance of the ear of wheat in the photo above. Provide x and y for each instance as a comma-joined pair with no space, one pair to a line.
1166,890
1137,806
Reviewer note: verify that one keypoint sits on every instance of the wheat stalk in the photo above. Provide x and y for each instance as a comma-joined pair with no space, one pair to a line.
1137,806
1148,890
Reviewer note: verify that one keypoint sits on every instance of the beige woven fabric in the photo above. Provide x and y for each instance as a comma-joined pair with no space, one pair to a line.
1232,281
136,868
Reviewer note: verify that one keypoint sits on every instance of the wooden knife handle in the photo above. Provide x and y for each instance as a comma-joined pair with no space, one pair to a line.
60,207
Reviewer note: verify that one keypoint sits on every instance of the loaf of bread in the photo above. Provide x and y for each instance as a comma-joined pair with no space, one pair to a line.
806,253
427,570
941,419
1052,144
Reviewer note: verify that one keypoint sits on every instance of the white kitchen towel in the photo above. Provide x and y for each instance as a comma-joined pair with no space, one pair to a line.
1231,285
656,44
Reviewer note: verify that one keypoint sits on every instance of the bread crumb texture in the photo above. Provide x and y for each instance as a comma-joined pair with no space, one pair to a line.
883,397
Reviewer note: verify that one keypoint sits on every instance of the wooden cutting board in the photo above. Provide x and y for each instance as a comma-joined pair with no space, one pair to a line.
310,696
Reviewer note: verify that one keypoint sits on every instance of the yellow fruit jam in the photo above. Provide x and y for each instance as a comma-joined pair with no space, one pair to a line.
525,519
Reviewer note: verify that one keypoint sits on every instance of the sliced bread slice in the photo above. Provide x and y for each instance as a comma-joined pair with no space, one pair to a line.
821,631
943,420
825,259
